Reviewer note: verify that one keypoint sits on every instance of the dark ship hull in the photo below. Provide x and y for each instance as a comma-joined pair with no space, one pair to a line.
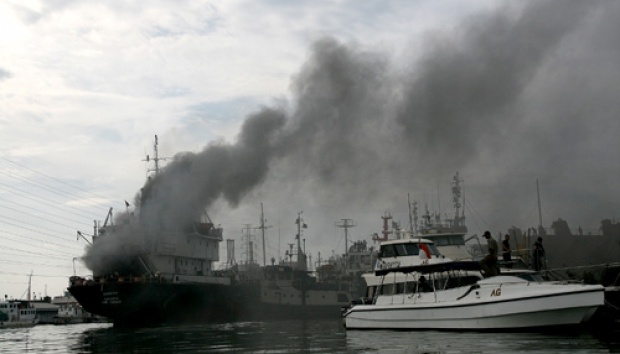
151,303
144,303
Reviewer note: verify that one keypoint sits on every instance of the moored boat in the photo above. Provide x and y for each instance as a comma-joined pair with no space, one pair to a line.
439,293
14,313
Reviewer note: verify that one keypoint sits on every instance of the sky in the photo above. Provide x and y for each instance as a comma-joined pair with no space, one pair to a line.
332,109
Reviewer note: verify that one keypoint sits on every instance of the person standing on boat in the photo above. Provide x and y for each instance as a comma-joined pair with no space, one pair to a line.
539,254
506,252
489,262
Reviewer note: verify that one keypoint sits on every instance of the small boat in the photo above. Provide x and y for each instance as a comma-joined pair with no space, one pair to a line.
71,312
414,287
14,313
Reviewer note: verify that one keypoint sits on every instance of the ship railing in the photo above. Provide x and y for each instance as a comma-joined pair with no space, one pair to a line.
155,278
607,274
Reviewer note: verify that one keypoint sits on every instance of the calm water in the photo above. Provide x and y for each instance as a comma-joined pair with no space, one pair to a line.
286,337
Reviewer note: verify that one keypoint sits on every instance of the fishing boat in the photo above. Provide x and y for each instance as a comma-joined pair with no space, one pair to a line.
415,287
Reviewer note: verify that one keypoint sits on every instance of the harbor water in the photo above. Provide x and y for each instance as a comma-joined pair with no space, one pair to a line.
290,337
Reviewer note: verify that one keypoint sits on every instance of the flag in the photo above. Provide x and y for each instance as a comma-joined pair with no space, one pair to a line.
127,204
426,250
305,226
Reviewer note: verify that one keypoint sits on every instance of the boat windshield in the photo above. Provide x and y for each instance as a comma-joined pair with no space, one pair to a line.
405,249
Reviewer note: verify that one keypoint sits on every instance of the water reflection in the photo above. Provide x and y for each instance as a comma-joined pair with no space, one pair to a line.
290,337
473,342
272,337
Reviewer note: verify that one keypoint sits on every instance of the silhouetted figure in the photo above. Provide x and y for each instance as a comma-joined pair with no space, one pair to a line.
489,262
539,254
506,252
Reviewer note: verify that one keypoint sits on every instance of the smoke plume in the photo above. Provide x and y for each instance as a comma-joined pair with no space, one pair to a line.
506,98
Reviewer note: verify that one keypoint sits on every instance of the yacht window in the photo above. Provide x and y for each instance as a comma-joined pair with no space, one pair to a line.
387,251
400,288
401,250
387,289
412,249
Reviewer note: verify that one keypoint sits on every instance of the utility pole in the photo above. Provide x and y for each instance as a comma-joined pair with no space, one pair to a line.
346,224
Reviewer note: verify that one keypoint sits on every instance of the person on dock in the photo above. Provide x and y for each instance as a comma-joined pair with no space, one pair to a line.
539,254
489,262
506,252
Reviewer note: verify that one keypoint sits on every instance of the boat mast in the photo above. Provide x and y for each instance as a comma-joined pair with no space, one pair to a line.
29,287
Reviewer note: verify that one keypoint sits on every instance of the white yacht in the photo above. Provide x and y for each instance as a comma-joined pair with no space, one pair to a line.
415,287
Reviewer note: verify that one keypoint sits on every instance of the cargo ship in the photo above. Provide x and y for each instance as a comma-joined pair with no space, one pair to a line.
176,282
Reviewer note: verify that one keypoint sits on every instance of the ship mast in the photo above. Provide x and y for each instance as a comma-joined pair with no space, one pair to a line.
300,223
155,159
262,227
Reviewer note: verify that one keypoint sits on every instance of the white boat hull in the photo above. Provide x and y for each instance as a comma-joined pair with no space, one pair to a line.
478,310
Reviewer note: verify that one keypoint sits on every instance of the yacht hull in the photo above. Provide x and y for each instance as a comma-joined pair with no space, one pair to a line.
473,312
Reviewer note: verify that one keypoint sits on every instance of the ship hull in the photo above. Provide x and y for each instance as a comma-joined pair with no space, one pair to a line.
156,303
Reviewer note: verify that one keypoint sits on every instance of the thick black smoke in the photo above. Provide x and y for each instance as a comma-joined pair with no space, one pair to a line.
506,98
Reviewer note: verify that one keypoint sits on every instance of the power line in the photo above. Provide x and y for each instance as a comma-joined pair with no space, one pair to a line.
59,181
